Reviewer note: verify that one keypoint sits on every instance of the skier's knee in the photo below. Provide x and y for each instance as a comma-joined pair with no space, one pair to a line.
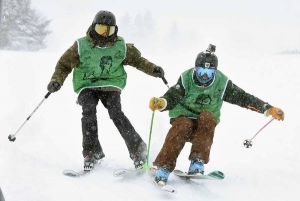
115,114
207,118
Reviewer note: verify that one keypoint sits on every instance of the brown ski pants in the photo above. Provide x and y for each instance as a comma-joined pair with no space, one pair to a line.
199,132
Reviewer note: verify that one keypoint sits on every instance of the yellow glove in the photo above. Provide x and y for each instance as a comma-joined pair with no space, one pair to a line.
276,113
157,103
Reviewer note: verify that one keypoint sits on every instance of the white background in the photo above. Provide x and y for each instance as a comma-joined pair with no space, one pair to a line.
248,37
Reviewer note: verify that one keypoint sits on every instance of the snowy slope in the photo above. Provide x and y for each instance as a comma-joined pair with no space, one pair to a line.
31,167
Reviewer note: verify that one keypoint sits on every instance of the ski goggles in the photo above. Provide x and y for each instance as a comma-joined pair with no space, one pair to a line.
201,71
105,30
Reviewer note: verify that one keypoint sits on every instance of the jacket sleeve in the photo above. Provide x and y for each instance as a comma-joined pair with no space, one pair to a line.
237,96
174,95
65,64
134,58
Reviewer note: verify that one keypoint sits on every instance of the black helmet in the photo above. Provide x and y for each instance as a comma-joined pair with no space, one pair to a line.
105,17
206,57
206,65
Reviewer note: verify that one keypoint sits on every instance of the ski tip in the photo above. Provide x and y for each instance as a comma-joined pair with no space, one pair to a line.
71,174
123,172
170,190
217,174
119,172
166,187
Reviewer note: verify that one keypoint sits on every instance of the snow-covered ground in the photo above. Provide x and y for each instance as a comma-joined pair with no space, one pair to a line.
31,167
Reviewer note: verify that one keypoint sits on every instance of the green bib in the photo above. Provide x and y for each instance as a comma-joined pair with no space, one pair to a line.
100,67
198,99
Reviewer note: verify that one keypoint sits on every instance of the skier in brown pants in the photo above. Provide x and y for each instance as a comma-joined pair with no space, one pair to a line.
194,105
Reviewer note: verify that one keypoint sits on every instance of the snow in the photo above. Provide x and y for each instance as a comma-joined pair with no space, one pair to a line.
50,141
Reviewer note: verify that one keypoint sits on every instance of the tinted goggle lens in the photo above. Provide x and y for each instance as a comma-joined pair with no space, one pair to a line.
210,72
105,30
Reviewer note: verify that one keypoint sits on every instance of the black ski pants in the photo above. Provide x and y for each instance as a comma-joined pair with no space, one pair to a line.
111,100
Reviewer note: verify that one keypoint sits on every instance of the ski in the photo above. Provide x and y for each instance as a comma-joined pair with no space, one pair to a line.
167,188
214,175
123,172
72,173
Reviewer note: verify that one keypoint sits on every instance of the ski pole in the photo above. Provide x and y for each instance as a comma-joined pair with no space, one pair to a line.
1,195
149,141
165,81
151,125
12,137
248,143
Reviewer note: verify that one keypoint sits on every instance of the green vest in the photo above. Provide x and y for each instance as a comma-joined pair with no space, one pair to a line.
100,67
198,99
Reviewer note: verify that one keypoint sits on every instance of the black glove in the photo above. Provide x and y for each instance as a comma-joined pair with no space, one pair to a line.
158,72
53,86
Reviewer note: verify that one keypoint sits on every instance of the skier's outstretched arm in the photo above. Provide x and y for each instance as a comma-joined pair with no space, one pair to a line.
237,96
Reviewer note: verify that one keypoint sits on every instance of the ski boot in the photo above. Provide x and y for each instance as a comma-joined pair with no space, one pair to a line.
161,176
139,160
91,160
196,167
139,157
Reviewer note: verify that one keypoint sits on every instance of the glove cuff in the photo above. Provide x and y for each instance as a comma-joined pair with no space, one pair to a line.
268,111
266,107
165,104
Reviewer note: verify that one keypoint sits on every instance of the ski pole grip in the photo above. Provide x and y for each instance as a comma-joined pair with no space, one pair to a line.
165,81
47,95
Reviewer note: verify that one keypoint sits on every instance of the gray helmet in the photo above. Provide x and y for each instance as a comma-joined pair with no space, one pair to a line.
105,17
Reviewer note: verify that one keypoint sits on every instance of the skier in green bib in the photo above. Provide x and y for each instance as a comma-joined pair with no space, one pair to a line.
194,105
97,61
